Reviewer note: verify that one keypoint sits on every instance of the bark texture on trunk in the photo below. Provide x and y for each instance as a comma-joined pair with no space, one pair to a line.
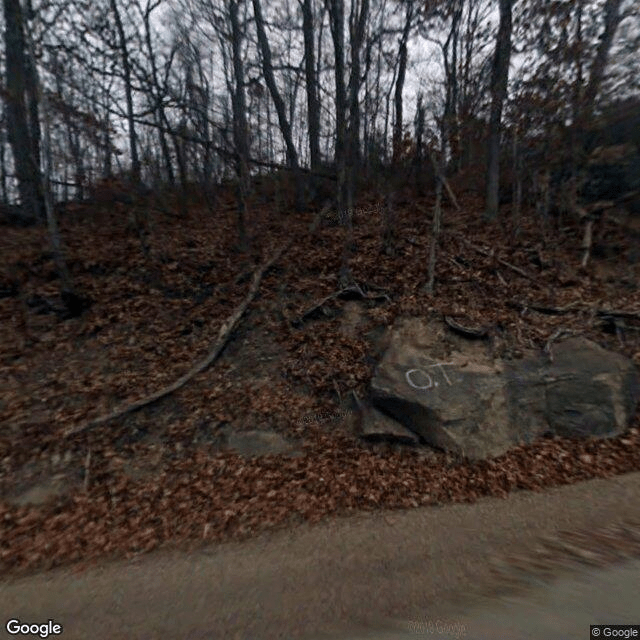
313,102
499,79
240,128
612,19
128,91
23,127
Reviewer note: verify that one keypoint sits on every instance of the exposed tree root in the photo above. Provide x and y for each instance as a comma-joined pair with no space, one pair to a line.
223,336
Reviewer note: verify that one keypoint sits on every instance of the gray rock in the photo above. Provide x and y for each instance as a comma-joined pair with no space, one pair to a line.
375,426
456,396
589,391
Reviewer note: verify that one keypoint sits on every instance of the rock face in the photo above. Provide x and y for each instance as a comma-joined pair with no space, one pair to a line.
376,426
454,395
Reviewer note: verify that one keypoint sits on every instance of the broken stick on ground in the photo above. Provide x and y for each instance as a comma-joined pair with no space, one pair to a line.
490,254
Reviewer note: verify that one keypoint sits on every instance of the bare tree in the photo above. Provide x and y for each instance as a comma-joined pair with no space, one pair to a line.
156,90
335,9
240,128
23,126
128,88
499,80
313,100
612,19
285,126
402,70
358,17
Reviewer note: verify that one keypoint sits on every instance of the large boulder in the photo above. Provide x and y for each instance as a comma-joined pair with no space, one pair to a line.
455,395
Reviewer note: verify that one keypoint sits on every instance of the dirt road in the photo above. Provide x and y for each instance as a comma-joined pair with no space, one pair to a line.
348,577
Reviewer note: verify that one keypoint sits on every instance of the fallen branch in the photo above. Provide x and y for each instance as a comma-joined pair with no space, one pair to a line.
319,216
558,333
618,313
224,334
491,254
450,193
352,290
439,172
586,243
87,468
541,308
468,332
574,307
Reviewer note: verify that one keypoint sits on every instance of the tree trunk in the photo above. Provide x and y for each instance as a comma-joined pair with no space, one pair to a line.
437,222
240,129
285,126
74,304
22,113
3,170
178,145
499,79
313,101
419,135
397,125
128,91
357,23
402,70
336,20
612,19
516,193
267,68
160,115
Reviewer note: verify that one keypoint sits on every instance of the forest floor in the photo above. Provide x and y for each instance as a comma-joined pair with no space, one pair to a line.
159,477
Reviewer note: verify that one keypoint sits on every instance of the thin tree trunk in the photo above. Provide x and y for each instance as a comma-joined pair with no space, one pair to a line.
313,101
612,19
397,125
435,229
240,129
3,166
499,79
128,91
178,145
71,300
336,20
419,157
402,69
358,21
22,113
516,200
285,126
160,116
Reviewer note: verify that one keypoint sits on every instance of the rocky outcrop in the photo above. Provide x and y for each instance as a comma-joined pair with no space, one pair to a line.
376,426
453,394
